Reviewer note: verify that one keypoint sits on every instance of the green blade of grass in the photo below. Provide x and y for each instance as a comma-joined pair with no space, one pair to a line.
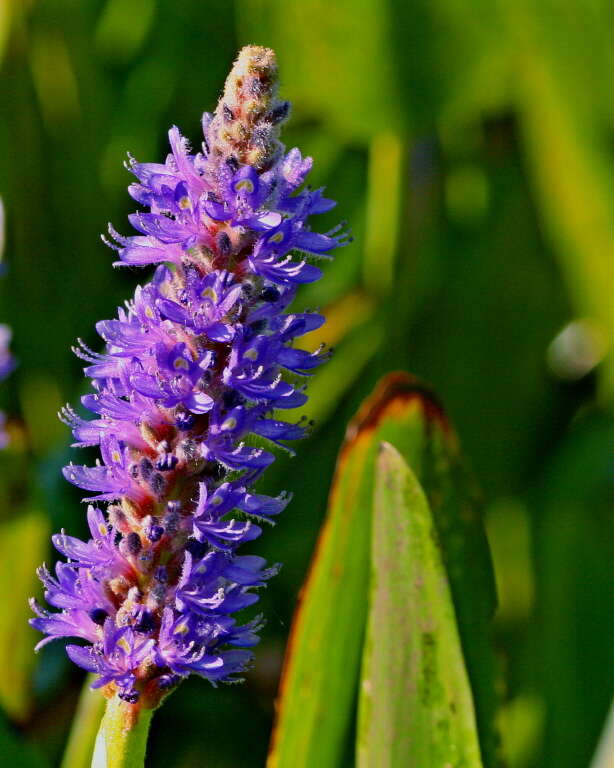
415,707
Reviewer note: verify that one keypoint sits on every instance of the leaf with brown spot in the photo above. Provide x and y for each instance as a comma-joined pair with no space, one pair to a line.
415,705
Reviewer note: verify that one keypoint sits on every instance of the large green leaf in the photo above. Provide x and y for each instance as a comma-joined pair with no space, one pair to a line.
457,514
416,707
564,81
319,684
23,546
323,658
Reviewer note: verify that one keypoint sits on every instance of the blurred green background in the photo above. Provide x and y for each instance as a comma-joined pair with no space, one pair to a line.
471,148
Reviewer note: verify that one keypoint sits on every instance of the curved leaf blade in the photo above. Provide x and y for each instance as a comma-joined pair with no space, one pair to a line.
23,545
456,510
416,707
324,650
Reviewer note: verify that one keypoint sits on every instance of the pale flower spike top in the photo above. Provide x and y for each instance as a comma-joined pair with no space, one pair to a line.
195,366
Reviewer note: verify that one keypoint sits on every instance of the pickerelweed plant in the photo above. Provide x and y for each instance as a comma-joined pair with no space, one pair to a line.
185,397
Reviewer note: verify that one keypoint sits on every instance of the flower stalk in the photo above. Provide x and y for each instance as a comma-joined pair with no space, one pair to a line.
84,728
122,739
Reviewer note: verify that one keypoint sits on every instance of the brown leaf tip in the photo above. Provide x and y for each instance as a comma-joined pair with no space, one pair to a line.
396,390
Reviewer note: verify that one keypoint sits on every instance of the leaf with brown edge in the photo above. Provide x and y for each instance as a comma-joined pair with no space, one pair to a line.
320,677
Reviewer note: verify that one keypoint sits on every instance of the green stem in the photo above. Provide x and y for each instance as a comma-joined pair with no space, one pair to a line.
90,708
122,739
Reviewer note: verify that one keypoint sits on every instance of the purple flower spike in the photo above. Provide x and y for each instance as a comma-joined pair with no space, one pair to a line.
184,394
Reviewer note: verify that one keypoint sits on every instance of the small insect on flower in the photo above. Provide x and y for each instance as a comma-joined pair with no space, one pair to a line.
194,365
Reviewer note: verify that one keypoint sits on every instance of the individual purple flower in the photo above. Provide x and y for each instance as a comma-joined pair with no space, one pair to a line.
185,400
116,660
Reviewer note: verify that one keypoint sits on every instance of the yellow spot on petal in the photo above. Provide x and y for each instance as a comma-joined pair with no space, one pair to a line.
181,363
245,184
209,293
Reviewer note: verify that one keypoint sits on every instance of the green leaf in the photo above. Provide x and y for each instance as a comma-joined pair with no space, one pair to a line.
323,657
5,26
415,706
23,546
563,82
85,725
456,511
320,679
